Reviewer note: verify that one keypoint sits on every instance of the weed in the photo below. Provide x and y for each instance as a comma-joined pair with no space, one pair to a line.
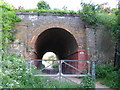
87,82
107,76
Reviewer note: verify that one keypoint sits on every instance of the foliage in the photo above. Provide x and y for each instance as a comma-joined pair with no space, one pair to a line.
43,5
103,70
55,11
5,6
106,75
8,19
12,70
96,15
88,82
88,13
15,75
55,66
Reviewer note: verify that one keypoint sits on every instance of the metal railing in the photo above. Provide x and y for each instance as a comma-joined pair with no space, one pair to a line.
66,62
88,70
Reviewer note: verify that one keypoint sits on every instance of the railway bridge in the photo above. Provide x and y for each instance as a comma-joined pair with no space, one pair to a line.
65,35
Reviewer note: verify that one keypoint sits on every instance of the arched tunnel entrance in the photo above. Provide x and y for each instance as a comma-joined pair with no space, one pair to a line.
57,40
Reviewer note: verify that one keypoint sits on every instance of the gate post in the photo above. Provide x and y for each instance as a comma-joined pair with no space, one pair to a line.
93,71
60,69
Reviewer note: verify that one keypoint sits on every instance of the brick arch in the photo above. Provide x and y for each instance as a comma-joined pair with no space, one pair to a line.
48,26
71,56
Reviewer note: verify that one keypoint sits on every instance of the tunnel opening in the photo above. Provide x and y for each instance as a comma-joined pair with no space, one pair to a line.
57,40
48,59
50,63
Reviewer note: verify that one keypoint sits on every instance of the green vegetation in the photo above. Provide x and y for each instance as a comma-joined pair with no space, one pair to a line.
15,75
55,66
107,76
87,82
55,11
43,5
96,15
8,19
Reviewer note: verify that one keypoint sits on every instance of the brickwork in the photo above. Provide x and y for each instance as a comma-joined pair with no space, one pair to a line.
33,24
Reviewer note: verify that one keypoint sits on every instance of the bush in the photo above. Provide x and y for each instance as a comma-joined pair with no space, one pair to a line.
15,75
88,13
95,15
87,82
103,70
43,5
9,18
107,76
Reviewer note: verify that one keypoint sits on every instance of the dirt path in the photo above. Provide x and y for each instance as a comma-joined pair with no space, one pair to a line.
77,81
97,84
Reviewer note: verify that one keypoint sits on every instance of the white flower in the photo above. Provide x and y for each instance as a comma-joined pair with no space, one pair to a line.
6,71
11,85
1,87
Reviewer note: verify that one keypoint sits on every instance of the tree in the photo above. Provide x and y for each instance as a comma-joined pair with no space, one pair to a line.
43,5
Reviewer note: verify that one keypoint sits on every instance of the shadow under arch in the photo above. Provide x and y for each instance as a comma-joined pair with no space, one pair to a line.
45,27
56,40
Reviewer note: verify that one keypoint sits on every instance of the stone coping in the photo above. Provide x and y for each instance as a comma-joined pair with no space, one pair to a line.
42,13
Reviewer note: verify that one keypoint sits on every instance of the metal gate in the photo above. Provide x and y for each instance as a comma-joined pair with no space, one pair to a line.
87,71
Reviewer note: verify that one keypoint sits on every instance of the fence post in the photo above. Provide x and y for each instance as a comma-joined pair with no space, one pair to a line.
60,69
93,71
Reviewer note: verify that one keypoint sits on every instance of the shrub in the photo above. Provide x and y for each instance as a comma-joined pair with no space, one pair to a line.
88,13
87,82
107,76
103,70
9,18
43,5
96,15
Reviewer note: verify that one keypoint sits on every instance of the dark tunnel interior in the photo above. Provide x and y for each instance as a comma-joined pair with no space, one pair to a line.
56,40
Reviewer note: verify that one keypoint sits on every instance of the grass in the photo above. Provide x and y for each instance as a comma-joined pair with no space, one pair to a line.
106,75
54,11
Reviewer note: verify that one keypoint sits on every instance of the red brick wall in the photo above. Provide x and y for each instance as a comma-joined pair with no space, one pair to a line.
79,55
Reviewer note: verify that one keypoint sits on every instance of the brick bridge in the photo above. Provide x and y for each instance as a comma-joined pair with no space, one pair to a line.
47,32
